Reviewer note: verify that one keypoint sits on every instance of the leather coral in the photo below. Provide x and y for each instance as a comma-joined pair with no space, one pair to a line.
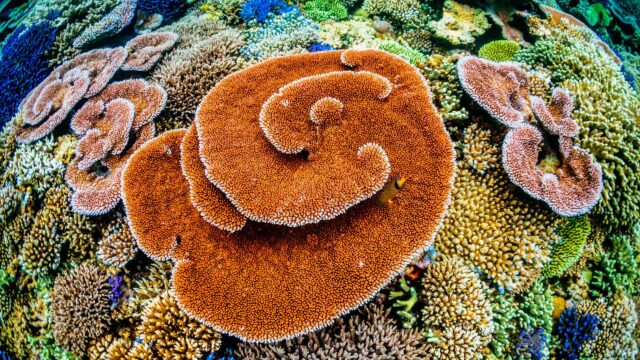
267,204
565,176
112,125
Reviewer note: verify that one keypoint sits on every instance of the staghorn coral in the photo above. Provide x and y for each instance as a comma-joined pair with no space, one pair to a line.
113,124
460,24
35,167
145,50
500,89
190,71
155,282
616,269
485,207
606,110
258,10
499,50
171,334
49,103
334,252
573,233
80,309
112,23
370,333
618,319
357,33
574,330
454,342
117,245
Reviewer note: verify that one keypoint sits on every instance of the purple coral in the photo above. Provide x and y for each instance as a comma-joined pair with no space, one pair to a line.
532,344
116,282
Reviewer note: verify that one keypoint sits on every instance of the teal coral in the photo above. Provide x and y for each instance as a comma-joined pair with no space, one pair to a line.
499,50
323,10
573,234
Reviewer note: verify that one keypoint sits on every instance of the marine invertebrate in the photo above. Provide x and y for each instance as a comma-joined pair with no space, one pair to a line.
171,333
371,333
145,50
117,245
411,55
80,309
460,24
23,65
333,252
189,72
259,9
323,10
574,330
113,124
49,103
616,269
499,50
556,115
454,342
500,89
403,12
480,149
155,282
168,9
532,344
440,72
573,233
320,46
112,23
573,188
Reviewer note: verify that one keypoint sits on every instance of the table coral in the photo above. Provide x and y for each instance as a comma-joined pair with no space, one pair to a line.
332,243
80,309
145,50
460,24
370,333
112,23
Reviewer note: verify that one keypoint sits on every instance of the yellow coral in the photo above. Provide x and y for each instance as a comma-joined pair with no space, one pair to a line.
460,23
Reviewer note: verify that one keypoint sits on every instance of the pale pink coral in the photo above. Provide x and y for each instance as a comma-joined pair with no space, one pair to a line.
499,88
145,50
556,116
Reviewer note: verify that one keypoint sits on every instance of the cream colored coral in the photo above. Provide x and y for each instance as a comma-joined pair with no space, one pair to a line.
460,23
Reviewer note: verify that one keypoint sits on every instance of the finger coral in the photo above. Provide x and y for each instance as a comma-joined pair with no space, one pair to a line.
500,89
113,124
145,50
80,310
371,333
309,274
46,106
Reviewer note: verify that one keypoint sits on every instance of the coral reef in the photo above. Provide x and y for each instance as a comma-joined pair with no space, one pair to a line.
331,70
112,23
145,50
499,50
117,245
574,330
460,24
573,234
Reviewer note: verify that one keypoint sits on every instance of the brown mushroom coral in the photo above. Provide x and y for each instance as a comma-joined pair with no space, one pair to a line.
108,122
145,50
499,88
46,106
556,116
266,282
571,187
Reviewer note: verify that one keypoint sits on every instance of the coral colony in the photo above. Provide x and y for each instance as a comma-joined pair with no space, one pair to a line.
319,179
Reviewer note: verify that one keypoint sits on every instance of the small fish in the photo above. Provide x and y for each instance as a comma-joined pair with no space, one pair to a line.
391,190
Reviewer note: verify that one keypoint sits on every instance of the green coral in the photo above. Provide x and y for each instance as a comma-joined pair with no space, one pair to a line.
323,10
499,50
573,233
616,269
536,308
504,311
442,77
411,55
407,13
606,109
404,299
597,15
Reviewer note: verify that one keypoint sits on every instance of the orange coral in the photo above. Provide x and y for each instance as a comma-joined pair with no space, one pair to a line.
46,106
499,88
145,50
266,282
556,116
573,188
107,122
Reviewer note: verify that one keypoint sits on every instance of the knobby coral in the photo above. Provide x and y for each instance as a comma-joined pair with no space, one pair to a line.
306,275
80,309
113,124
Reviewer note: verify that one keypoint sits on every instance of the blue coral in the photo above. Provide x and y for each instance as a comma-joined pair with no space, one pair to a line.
320,46
258,10
23,65
169,9
116,283
532,344
574,330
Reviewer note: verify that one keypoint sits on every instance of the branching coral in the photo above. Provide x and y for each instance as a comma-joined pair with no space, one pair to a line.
460,24
315,255
189,72
155,282
113,124
411,55
258,10
574,330
405,12
370,333
80,309
442,77
323,10
480,149
112,23
145,50
168,9
616,269
573,234
499,50
117,246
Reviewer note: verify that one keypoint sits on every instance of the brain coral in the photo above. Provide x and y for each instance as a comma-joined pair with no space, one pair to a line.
300,277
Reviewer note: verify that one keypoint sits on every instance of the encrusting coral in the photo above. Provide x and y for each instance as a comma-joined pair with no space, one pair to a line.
370,333
145,50
80,310
295,265
113,124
